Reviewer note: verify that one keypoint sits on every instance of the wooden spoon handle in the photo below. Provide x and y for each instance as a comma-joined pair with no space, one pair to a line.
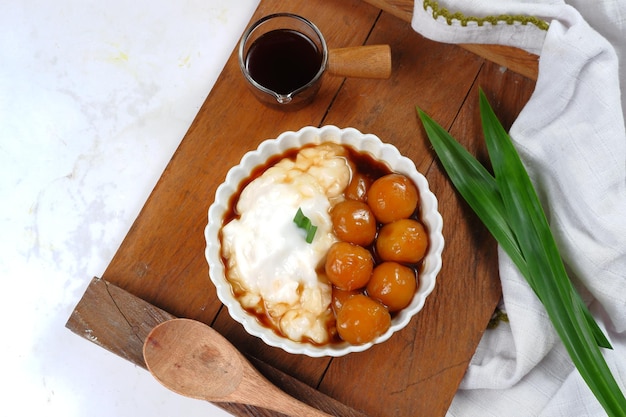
256,390
285,404
370,61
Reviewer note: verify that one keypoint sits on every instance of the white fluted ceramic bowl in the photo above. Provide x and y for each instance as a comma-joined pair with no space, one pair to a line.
369,143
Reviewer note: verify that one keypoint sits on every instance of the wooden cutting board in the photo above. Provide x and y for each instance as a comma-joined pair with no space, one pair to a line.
160,271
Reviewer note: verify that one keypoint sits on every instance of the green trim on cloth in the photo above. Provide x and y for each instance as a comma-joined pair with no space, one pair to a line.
494,20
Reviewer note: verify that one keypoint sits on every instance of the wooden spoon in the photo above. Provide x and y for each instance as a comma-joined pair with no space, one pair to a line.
192,359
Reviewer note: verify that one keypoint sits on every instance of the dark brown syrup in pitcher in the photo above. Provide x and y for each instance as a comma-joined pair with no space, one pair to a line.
283,60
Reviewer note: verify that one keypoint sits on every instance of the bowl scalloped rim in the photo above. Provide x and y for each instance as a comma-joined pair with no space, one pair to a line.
369,143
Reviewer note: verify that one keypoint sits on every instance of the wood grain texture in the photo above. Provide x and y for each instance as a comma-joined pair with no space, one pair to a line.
515,59
108,316
161,261
120,322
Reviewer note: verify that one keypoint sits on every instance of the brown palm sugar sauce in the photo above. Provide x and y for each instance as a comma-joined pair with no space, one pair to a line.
283,60
362,163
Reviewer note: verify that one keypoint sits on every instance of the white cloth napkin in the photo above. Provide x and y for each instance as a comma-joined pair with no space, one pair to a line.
572,140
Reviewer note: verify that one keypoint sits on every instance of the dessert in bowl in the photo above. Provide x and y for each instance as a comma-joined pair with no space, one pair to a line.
324,241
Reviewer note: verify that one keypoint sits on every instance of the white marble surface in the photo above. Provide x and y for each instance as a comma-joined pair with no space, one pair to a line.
94,99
